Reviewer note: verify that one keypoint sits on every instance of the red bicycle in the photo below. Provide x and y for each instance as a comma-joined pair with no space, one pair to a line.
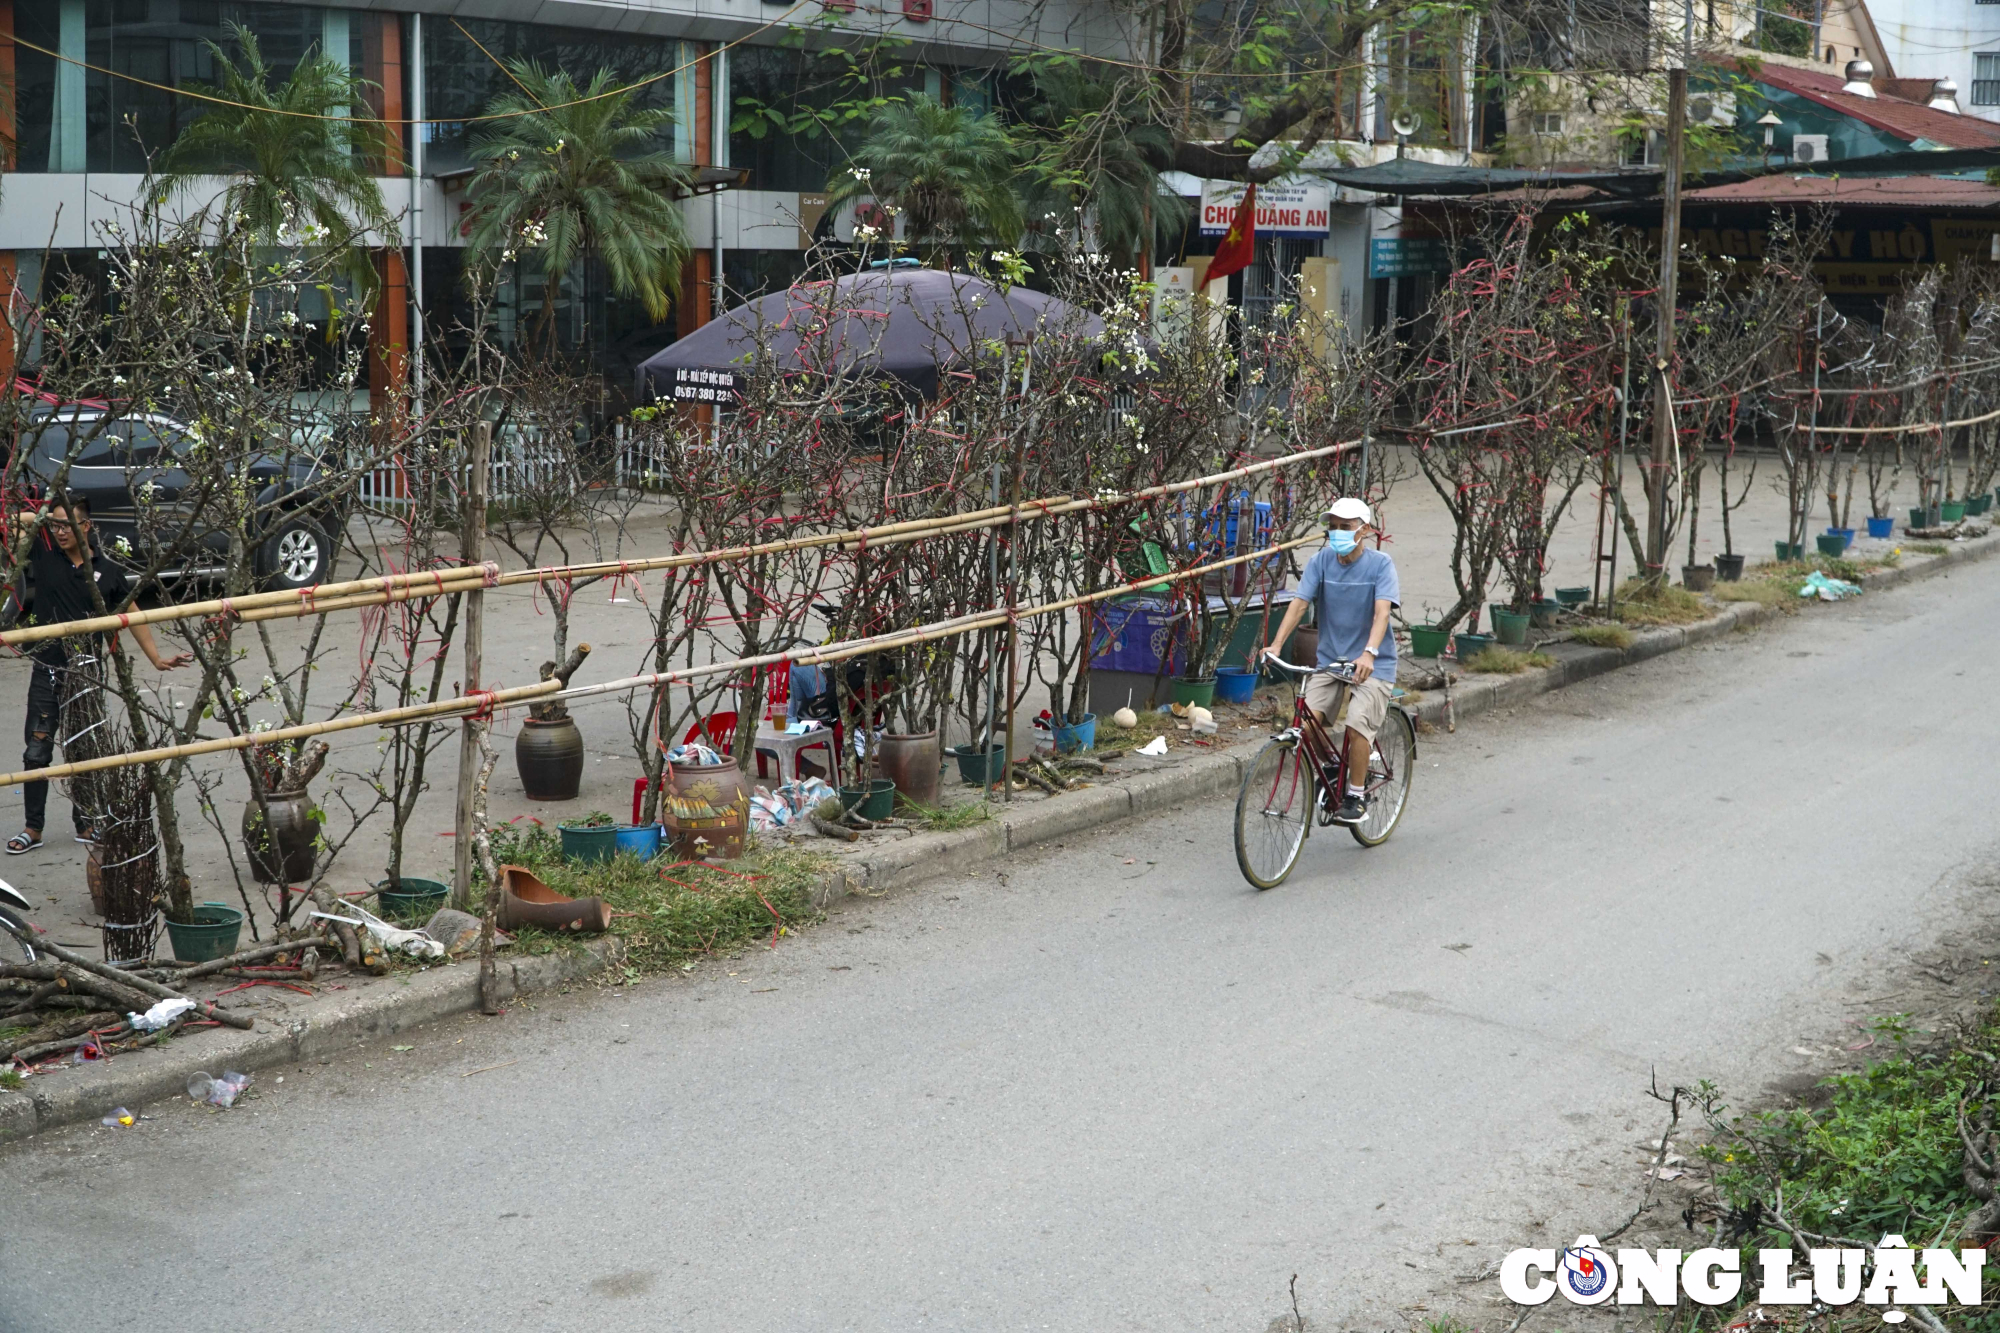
1282,797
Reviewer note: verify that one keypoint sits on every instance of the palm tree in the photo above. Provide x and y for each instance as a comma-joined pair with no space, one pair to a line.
1092,147
947,169
580,172
297,167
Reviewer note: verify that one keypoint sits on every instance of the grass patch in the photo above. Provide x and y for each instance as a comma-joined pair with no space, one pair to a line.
1763,591
1872,1152
1603,636
10,1079
950,818
1498,661
1643,603
1927,548
1151,723
682,910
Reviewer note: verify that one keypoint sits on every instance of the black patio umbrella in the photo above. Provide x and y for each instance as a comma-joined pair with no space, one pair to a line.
903,324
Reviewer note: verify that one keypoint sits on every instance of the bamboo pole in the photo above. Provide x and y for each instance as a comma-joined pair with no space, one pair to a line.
496,699
472,551
388,717
363,593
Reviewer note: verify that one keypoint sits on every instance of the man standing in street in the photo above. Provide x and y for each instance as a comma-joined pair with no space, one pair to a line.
63,566
1353,590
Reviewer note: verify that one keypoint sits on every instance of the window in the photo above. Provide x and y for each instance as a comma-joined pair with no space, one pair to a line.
1546,122
1986,78
83,116
460,79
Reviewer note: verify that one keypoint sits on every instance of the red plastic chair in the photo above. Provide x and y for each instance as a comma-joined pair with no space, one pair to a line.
721,729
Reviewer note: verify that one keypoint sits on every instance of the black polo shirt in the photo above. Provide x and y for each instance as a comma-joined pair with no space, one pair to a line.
62,593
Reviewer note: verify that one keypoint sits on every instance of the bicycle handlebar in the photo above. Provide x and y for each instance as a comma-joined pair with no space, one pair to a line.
1338,670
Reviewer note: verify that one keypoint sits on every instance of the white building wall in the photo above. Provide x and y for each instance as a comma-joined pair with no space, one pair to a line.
1927,39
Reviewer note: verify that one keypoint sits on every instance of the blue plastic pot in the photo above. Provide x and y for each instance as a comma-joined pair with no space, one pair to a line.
1881,527
640,840
1846,536
1235,685
1079,737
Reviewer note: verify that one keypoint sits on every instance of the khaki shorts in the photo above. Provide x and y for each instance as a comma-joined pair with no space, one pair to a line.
1367,707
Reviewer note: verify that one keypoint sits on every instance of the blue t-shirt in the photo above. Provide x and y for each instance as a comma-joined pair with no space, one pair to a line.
1344,598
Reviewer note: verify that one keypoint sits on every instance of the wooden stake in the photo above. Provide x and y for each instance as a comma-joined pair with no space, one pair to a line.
472,551
1663,357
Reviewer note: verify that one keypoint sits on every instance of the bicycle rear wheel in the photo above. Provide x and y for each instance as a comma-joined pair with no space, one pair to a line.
14,949
1273,813
1390,765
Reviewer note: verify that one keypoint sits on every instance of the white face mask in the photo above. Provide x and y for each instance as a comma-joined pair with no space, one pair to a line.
1342,541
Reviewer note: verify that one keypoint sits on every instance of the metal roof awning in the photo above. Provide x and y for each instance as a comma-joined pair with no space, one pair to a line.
1406,176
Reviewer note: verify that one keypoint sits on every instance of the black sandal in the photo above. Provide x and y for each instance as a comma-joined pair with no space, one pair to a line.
21,843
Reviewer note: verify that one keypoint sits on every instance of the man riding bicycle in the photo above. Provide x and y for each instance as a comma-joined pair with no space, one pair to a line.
1352,589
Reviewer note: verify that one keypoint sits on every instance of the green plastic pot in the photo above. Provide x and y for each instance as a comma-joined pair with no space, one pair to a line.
1831,545
1572,597
1980,503
980,766
1427,641
1510,627
875,801
412,899
1542,614
211,935
588,844
1791,550
1195,693
1920,518
1472,645
1952,510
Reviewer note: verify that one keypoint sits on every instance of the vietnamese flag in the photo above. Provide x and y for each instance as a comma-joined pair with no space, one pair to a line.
1239,245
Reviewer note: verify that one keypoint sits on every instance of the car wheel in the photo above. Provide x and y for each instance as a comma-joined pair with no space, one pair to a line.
297,555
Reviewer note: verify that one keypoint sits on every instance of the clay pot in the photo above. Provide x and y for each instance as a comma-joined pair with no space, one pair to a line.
705,811
294,831
914,764
1304,650
525,900
549,757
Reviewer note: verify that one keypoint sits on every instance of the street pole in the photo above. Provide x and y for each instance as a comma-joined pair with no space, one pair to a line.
1670,248
472,551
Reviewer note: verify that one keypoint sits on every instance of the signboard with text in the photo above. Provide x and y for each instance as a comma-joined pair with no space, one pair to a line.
1283,208
1404,256
693,384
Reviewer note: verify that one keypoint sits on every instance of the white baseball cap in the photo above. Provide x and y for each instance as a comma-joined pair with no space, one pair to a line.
1349,507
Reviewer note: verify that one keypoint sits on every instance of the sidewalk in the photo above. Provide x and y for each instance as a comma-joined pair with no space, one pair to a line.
290,1028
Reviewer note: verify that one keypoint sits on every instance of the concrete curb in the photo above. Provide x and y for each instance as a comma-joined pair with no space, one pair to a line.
318,1027
329,1023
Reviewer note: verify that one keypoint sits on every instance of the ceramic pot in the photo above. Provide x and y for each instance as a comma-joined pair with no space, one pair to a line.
286,856
914,763
549,757
705,811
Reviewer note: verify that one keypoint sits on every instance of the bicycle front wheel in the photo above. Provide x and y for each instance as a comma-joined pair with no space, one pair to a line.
1273,813
1390,765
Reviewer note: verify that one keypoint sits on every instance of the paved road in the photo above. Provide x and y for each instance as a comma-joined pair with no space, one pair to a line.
1111,1088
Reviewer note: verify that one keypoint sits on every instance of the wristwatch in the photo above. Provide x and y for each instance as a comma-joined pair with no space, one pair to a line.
1372,652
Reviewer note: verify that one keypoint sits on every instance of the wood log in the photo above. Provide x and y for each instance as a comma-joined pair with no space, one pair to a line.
256,955
97,1032
826,828
58,1030
127,979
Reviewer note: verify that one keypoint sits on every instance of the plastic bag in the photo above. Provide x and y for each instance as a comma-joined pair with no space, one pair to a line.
160,1015
221,1092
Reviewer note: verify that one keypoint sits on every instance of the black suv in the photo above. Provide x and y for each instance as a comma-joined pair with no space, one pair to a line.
299,521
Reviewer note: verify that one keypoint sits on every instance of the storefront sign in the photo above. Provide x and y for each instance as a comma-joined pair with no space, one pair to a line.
692,384
1403,256
1283,208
